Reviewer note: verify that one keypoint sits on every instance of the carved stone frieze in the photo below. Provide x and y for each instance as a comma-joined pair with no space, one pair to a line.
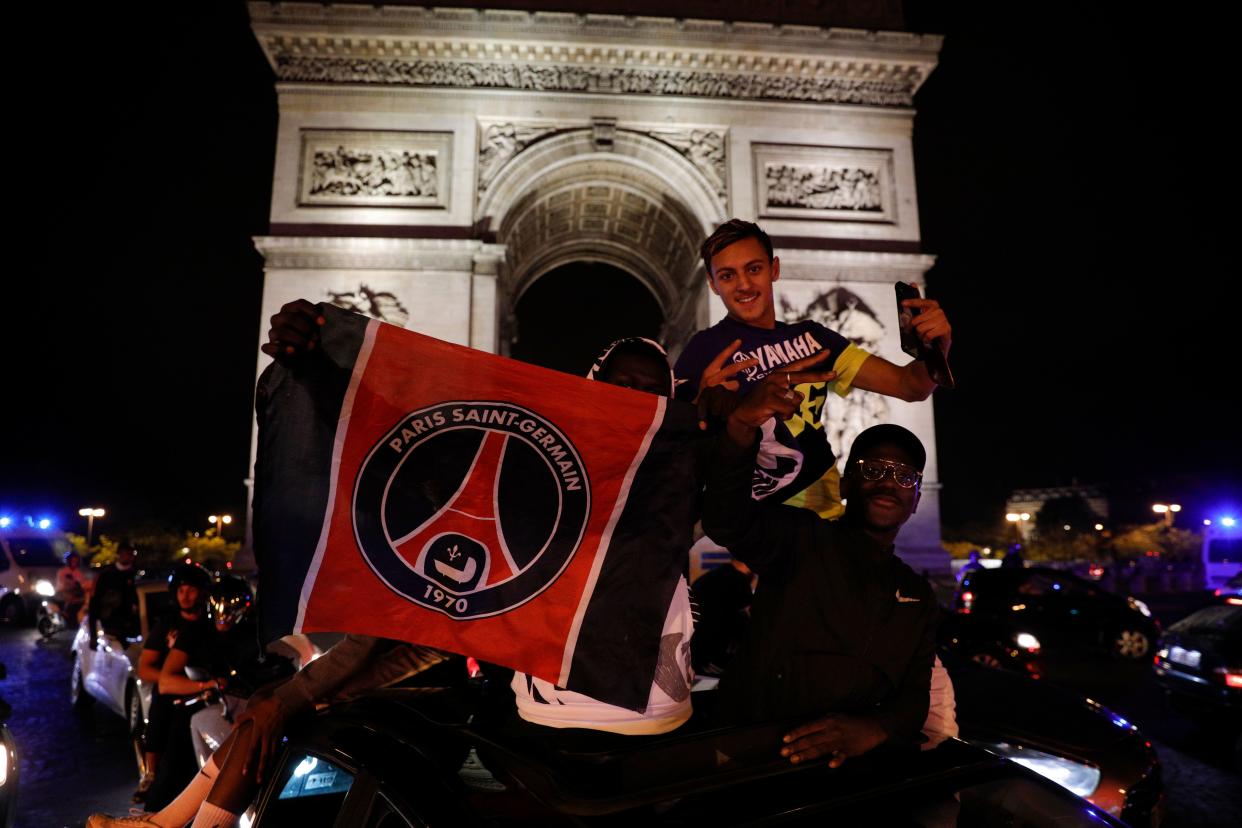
378,304
375,168
823,187
362,171
499,143
704,148
832,183
894,89
598,54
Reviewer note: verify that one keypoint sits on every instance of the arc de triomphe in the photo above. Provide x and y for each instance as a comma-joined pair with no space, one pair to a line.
432,164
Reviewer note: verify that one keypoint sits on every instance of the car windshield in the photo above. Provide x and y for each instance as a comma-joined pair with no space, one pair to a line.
38,551
1225,620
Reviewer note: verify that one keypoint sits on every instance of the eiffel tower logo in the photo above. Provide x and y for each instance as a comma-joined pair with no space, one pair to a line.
459,560
461,547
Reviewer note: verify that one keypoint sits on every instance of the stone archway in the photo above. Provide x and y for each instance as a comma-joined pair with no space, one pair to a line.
616,197
567,316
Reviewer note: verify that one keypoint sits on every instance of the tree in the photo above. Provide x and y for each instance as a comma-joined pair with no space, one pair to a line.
1167,542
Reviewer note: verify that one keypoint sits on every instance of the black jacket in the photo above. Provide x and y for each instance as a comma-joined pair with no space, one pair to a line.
839,624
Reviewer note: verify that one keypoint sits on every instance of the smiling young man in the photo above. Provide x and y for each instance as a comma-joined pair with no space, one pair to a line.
794,460
842,631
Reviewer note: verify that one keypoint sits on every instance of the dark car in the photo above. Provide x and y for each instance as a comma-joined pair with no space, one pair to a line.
1199,660
1074,741
412,757
1231,588
1049,612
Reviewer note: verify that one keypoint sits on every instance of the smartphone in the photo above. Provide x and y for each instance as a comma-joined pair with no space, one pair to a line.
905,318
937,364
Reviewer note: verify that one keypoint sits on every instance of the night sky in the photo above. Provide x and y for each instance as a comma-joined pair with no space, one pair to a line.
1075,180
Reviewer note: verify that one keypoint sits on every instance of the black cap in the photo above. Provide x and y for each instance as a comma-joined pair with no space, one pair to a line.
893,435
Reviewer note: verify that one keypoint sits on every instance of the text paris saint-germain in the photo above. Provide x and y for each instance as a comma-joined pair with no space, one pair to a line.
503,417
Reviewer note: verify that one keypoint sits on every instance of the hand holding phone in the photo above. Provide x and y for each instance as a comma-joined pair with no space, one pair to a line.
932,356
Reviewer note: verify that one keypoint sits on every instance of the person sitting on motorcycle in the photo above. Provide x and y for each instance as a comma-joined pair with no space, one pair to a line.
73,585
233,655
168,724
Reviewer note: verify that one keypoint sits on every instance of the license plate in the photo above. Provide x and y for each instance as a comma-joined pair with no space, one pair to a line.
1184,657
319,780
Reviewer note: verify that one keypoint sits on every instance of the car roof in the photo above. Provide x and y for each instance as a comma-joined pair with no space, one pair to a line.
737,769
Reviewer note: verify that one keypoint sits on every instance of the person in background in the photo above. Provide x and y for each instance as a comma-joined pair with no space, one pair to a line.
168,723
114,600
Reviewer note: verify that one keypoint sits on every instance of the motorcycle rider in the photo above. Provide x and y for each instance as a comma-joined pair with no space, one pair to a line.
232,655
73,585
168,723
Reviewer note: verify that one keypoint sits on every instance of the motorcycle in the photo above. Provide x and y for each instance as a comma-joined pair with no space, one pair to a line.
53,616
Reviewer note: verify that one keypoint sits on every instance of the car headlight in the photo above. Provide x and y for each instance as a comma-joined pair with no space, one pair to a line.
45,588
1140,606
1027,642
4,764
1074,776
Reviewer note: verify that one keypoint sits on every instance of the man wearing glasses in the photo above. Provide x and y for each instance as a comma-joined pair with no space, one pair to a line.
842,630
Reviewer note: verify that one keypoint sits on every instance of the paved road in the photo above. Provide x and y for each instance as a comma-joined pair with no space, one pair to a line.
71,767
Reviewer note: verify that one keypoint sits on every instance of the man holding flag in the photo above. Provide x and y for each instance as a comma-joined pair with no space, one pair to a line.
463,539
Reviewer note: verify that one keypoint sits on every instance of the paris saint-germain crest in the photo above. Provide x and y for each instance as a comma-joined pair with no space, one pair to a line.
471,508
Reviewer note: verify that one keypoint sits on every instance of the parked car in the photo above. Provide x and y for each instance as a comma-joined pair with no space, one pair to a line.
1199,661
1232,587
29,560
1054,613
109,673
1073,741
420,756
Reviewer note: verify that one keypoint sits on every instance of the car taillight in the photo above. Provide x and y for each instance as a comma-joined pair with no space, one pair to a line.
1237,602
967,599
1233,678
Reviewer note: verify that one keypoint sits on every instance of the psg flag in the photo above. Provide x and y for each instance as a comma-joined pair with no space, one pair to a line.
413,489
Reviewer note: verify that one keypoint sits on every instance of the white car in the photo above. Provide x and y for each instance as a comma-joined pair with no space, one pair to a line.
29,561
109,673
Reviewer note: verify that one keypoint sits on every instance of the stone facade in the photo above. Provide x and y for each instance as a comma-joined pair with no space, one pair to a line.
432,164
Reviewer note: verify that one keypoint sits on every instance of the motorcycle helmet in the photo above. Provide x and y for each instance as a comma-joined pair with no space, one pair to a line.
230,600
189,573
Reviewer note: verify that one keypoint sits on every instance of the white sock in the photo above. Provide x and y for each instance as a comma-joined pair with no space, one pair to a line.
182,809
212,816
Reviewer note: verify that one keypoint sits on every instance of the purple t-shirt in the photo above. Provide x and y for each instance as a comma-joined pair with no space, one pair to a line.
787,463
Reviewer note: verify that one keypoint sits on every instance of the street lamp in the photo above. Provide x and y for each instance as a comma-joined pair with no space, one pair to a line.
1020,521
90,513
1166,510
219,521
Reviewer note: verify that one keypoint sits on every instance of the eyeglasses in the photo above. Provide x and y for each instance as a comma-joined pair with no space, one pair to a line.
874,470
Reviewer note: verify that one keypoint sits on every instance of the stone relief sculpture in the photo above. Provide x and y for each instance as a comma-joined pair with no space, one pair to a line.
844,311
500,143
623,80
823,188
379,305
704,148
356,171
